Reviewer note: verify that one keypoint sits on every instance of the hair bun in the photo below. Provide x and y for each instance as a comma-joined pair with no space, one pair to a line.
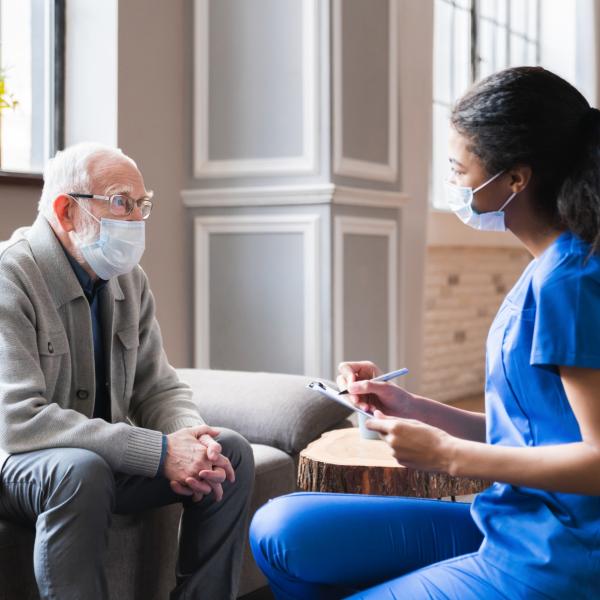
589,128
590,116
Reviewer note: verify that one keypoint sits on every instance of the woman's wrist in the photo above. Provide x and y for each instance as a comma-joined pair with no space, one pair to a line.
453,452
420,409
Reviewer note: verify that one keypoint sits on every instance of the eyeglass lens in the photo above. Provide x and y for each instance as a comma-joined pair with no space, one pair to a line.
122,206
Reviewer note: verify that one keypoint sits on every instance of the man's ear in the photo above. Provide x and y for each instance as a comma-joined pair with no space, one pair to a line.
63,210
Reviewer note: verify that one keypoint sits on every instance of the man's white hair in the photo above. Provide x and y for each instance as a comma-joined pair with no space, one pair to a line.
68,172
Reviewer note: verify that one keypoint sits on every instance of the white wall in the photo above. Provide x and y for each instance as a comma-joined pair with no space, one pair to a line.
152,124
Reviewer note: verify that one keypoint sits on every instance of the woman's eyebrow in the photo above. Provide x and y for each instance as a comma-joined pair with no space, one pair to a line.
453,161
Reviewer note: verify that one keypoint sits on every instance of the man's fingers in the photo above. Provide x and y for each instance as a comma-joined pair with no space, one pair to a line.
201,430
180,489
210,442
213,448
216,475
217,489
223,463
197,486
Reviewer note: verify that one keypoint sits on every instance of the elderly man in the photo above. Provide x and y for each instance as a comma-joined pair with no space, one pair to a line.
93,418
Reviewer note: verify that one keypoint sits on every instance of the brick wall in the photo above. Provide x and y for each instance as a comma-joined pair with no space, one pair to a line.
464,287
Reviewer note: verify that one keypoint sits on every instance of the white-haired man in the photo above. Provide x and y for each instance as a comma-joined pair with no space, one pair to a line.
93,420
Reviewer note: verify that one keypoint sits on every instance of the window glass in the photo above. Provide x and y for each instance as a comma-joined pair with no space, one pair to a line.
26,61
518,16
442,63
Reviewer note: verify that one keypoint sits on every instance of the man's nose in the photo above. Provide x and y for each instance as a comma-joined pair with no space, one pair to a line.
136,214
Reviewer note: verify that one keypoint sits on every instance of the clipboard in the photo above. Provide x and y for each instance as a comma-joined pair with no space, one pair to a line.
333,394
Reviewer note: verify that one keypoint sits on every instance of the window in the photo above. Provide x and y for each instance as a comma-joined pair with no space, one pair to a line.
31,63
473,38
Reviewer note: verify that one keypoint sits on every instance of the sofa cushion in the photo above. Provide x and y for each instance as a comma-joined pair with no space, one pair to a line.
266,408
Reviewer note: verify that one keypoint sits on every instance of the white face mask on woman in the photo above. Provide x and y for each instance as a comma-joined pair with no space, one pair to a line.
117,250
460,201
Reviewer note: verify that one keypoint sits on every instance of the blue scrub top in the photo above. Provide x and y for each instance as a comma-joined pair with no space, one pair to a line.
551,317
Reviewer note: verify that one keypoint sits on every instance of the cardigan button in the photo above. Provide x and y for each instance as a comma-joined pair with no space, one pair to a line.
83,394
50,348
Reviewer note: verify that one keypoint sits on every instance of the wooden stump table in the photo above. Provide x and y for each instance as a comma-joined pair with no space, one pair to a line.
342,461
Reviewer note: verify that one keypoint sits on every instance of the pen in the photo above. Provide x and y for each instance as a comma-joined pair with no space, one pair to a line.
385,377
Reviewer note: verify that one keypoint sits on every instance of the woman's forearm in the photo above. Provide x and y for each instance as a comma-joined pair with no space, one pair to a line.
460,423
571,468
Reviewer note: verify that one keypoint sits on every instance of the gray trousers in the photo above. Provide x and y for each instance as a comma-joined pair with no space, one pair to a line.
69,495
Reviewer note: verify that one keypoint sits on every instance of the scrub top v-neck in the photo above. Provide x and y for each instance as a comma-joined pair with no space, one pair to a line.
550,318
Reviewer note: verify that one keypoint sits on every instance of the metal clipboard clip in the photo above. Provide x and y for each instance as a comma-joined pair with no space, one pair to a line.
333,394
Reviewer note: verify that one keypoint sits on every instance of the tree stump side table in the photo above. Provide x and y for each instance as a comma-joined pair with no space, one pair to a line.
342,461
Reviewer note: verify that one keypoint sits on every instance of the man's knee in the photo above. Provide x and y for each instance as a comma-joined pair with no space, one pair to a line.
81,477
239,452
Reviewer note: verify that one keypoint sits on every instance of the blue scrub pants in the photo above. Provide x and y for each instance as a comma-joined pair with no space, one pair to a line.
321,546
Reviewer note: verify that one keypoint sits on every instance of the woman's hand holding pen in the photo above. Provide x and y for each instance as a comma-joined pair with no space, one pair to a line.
422,433
398,417
370,395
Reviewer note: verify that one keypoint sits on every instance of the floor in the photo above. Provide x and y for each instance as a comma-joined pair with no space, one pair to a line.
474,403
261,594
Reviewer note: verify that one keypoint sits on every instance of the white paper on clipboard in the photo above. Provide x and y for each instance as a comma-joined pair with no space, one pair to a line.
333,394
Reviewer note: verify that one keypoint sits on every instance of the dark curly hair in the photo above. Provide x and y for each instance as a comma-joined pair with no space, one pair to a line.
530,116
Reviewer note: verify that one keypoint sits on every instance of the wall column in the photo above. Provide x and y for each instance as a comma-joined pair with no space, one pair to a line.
298,206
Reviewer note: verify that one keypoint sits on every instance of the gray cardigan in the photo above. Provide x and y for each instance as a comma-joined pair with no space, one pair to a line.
47,381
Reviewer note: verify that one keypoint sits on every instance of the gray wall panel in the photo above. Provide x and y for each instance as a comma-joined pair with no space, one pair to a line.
255,79
365,86
256,302
366,299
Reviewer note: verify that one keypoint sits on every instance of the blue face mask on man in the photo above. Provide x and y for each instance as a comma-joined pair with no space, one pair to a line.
460,201
118,249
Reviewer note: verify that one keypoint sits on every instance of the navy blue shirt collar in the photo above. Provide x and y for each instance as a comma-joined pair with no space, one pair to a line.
90,287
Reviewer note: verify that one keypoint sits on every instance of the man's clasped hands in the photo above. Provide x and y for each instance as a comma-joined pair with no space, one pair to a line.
194,464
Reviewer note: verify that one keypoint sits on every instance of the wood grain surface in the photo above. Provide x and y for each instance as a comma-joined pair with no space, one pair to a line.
342,461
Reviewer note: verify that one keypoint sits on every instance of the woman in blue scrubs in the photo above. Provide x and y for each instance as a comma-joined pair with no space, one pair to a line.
524,156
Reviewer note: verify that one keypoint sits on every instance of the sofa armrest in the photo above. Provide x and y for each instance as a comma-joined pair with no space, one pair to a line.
266,408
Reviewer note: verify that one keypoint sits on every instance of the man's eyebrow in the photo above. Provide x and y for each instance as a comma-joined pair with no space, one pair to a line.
126,190
118,188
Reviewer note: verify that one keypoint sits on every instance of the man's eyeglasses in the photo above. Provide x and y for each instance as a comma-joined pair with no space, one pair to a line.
121,205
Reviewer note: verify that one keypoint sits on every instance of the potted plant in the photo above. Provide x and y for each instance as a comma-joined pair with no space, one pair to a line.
7,100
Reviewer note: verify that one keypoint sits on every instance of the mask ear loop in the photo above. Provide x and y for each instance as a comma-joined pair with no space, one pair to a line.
507,202
488,181
510,198
85,209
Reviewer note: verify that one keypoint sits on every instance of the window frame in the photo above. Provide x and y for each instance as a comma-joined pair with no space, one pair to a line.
57,114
